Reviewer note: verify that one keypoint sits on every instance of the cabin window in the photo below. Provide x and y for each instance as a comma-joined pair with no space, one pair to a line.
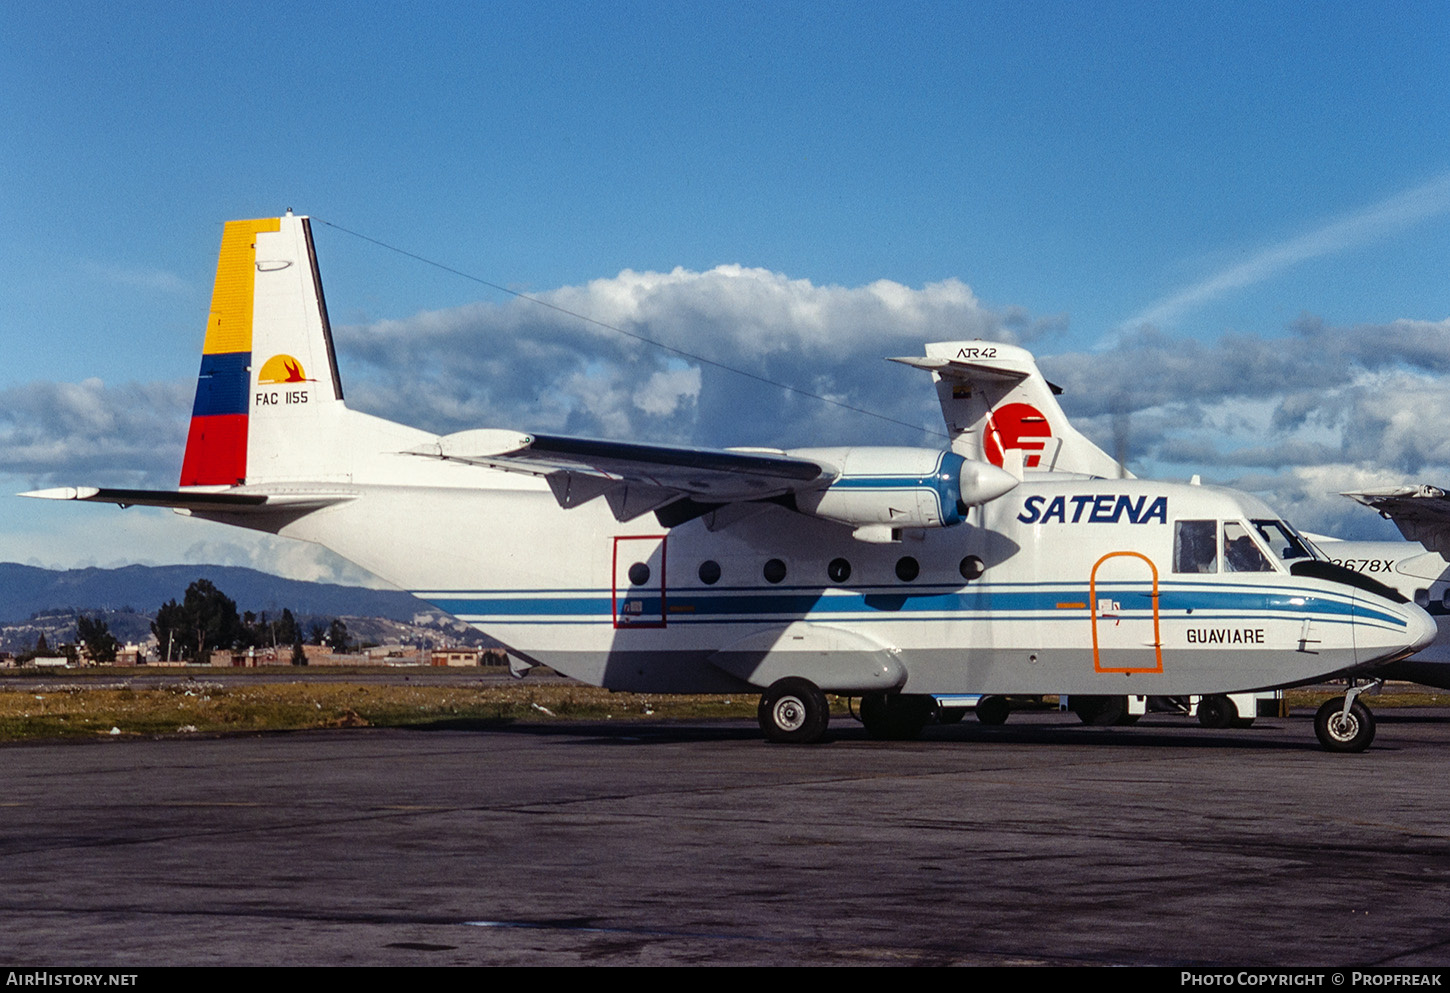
839,570
972,567
774,571
1195,546
907,568
639,574
709,572
1240,552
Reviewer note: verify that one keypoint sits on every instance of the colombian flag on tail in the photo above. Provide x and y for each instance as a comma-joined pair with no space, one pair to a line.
216,445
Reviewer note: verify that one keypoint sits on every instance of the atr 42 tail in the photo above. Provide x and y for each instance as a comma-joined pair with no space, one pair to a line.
999,409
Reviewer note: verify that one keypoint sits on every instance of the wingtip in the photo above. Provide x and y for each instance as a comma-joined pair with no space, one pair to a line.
63,493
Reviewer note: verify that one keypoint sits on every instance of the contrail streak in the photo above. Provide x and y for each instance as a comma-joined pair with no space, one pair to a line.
1399,211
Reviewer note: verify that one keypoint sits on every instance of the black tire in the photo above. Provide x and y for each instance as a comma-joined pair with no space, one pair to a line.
793,711
895,716
1217,712
1101,711
1341,732
950,715
993,710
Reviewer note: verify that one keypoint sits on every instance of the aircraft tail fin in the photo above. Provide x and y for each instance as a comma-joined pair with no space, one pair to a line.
1000,409
268,398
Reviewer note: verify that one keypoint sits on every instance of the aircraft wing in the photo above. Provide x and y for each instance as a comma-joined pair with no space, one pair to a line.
1422,513
677,483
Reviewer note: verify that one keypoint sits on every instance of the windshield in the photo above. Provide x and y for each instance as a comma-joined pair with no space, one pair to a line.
1286,543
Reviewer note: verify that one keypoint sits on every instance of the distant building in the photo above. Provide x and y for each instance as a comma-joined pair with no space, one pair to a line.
248,658
456,656
131,654
469,656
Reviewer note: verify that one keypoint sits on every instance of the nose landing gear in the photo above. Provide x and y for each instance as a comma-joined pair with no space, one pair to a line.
1343,724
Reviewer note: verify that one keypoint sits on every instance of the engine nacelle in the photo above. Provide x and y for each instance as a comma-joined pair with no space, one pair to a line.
882,489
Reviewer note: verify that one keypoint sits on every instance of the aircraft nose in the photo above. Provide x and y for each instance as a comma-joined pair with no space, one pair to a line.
1420,629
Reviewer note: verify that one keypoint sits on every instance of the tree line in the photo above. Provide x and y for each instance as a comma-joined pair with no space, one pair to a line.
206,620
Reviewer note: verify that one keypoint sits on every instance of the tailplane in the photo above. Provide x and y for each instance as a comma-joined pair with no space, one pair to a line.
999,409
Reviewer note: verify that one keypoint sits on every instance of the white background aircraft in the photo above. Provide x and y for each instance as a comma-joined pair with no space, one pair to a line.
889,574
1419,568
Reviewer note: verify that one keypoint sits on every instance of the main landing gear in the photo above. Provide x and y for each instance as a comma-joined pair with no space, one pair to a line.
793,711
1343,724
1103,711
895,716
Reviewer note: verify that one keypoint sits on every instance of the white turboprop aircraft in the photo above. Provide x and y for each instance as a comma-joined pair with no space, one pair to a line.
1025,416
889,574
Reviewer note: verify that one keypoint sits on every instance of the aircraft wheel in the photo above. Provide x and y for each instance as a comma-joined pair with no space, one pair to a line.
1341,732
993,710
1101,711
793,711
950,715
895,716
1216,712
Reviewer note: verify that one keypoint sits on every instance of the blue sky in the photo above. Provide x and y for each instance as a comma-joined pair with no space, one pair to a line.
1115,185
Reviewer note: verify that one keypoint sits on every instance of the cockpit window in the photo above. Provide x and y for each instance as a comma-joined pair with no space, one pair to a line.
1195,546
1284,542
1240,553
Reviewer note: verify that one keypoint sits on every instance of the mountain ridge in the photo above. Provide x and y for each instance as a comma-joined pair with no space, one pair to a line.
26,590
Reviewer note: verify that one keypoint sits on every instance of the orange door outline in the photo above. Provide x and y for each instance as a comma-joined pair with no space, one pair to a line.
1093,605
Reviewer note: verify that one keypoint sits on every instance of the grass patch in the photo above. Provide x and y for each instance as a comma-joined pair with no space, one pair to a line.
198,706
1387,699
78,711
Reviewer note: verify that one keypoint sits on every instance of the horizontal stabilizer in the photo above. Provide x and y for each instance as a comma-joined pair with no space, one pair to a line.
957,369
197,501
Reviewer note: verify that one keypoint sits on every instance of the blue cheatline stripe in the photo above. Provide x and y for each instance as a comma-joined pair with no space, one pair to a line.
1041,603
223,384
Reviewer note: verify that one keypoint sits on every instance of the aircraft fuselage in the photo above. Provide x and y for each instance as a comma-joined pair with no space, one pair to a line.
1062,586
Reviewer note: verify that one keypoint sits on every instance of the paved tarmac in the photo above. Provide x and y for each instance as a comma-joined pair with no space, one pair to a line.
656,843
